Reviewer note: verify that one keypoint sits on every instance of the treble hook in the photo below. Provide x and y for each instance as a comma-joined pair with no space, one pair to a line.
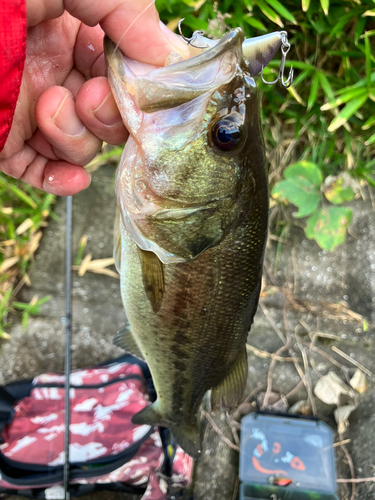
285,47
190,41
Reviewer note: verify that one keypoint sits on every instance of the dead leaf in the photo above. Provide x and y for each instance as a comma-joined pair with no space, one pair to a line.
84,265
8,243
329,388
24,226
301,408
102,263
107,272
359,381
8,263
342,417
6,210
34,242
34,300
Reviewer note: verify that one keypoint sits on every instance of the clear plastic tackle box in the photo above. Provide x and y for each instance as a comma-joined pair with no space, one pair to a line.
286,458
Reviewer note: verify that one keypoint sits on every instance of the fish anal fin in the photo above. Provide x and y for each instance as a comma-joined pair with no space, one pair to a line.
152,277
230,390
125,340
187,436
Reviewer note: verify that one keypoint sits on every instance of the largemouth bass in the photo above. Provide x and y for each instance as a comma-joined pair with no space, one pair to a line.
193,195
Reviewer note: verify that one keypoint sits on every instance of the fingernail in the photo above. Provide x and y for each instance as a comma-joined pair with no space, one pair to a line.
107,112
175,41
66,118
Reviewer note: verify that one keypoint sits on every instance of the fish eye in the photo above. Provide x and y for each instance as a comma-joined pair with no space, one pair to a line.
226,134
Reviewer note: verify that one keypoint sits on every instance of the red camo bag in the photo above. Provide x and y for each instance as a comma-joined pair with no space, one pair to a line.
107,451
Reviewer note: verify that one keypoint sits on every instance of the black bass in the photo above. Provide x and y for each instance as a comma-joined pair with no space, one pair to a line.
193,195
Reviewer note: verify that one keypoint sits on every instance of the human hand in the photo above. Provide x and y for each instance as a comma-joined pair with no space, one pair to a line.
65,108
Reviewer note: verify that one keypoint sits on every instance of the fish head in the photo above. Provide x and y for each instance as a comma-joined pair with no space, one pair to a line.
189,168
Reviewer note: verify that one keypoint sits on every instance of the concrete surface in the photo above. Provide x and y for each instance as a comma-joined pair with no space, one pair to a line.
309,274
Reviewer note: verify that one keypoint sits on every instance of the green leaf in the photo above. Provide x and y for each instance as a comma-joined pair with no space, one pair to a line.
18,192
347,112
327,226
349,95
313,92
326,86
301,187
368,60
338,192
305,170
305,5
370,140
255,23
302,76
341,22
270,13
325,6
359,29
369,123
282,10
195,24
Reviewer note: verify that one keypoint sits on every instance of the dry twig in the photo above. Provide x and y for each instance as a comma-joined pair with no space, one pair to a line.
218,431
266,354
353,361
272,322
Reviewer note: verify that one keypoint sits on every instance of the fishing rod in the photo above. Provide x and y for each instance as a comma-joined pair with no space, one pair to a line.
68,340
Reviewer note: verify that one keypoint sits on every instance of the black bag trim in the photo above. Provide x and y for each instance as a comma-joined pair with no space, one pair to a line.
78,490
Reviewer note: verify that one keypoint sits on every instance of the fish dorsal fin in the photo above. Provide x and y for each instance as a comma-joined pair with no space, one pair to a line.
229,392
153,278
117,240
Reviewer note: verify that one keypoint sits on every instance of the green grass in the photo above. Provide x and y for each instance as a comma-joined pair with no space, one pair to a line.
23,213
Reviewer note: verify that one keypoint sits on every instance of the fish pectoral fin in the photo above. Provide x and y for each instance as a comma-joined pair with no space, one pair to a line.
125,340
229,392
152,277
187,436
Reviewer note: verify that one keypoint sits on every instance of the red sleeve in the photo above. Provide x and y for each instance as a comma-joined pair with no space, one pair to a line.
12,58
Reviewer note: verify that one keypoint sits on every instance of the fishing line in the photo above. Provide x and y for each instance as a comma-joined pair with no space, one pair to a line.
134,21
68,340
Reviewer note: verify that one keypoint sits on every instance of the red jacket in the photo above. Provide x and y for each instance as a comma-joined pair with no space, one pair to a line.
12,59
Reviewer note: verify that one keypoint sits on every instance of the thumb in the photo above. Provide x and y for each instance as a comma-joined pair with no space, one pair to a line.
134,25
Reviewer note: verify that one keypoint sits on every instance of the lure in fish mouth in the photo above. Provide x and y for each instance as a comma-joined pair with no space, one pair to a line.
193,195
